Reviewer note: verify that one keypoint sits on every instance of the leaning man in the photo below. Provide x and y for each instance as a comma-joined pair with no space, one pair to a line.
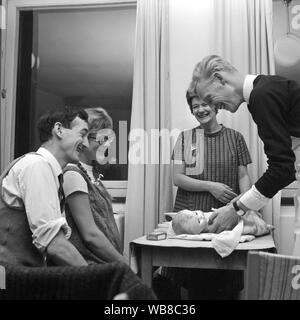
33,229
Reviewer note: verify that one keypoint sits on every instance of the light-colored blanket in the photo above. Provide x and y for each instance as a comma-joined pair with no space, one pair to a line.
250,226
224,243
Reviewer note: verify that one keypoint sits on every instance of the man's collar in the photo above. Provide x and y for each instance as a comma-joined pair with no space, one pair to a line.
248,86
57,170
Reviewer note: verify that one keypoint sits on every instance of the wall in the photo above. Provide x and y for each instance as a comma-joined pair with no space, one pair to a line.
189,43
280,29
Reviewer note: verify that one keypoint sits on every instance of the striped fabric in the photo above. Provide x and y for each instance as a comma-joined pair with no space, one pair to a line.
224,151
278,277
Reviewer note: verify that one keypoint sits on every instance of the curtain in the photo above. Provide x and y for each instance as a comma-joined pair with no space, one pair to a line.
243,36
2,113
149,192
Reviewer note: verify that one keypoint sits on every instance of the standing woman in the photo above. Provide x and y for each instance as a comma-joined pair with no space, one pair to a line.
89,205
226,157
224,176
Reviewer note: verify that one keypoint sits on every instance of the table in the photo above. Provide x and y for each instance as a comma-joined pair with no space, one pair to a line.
192,254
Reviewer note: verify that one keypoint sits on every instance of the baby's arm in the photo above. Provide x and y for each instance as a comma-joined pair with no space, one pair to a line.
255,225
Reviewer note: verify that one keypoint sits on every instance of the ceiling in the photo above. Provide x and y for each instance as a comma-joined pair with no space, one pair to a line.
87,52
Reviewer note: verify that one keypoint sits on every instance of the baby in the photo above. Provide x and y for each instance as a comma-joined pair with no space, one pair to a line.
196,222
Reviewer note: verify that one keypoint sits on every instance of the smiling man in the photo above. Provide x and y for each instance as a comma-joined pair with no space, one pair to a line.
274,103
33,228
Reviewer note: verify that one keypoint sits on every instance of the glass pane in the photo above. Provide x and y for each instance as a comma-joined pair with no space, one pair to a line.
286,35
78,58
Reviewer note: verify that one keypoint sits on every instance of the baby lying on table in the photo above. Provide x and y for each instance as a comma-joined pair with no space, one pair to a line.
196,222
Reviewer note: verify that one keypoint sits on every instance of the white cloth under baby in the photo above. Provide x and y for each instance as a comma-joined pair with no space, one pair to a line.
224,243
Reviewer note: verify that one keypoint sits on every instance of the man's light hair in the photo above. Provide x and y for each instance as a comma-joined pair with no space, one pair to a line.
207,68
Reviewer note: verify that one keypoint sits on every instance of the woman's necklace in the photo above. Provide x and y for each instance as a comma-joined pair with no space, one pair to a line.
97,181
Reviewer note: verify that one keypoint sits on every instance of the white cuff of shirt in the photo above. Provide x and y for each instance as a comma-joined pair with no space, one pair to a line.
45,233
253,199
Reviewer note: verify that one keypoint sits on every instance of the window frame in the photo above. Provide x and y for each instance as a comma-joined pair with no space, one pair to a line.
10,58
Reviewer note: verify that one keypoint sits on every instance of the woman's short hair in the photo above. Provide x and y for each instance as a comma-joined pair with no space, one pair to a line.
190,94
98,119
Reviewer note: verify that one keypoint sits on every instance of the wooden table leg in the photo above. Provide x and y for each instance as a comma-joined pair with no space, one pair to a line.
146,265
242,293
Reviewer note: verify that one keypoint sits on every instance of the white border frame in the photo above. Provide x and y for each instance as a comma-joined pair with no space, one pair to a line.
11,53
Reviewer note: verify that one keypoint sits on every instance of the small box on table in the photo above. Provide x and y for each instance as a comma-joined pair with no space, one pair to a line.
156,235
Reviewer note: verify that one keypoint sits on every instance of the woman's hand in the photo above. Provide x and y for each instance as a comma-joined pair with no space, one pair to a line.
222,192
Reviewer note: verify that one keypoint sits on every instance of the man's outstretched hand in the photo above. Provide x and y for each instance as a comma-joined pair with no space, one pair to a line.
224,218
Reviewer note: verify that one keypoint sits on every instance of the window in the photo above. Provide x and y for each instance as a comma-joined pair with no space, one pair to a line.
80,58
286,35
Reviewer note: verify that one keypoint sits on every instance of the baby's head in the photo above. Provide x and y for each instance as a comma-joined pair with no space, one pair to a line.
189,222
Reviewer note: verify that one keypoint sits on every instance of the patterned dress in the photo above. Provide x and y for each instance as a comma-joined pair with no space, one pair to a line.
101,207
224,152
